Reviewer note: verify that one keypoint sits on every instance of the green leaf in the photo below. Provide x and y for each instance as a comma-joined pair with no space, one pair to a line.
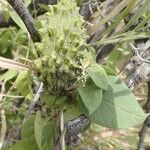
73,111
5,40
109,71
38,129
90,94
24,145
48,135
27,136
27,130
119,108
98,75
48,99
27,3
10,74
23,84
18,20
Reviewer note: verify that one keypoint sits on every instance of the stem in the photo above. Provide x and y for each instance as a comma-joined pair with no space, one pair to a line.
143,133
26,17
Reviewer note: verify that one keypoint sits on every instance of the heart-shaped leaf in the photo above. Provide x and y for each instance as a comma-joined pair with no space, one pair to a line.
119,108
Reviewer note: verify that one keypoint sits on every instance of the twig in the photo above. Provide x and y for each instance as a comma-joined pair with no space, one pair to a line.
147,105
12,64
62,130
26,17
74,128
138,69
146,124
36,97
3,127
3,118
143,133
11,96
143,51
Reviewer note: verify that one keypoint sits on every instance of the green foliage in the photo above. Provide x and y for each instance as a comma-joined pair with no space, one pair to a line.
127,36
118,108
72,111
18,20
9,74
36,134
23,84
27,136
144,8
63,45
98,75
6,42
73,82
90,94
48,135
38,128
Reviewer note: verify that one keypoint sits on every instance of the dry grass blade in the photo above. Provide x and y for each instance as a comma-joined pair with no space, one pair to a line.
3,127
144,8
12,64
115,12
3,118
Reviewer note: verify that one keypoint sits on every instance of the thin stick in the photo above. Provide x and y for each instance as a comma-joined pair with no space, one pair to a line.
3,119
62,130
36,97
11,96
3,127
26,17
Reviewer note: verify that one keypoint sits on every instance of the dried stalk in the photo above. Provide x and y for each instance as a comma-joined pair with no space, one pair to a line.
3,118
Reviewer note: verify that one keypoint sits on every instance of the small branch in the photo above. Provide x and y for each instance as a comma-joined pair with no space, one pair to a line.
3,127
62,130
143,133
26,17
3,118
138,69
146,124
12,64
147,105
36,97
74,128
